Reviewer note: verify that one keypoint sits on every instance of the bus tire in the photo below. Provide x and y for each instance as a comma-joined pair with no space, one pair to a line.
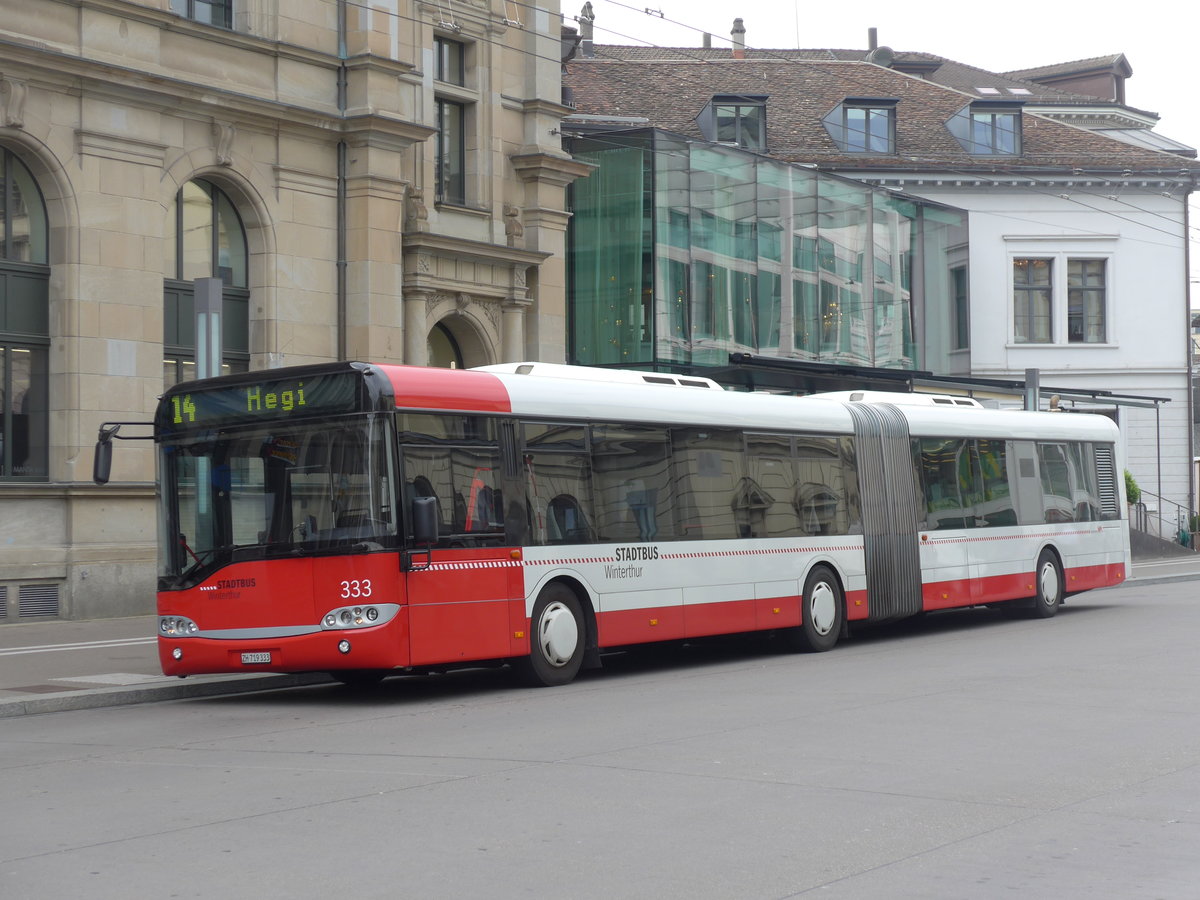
1048,580
822,613
557,639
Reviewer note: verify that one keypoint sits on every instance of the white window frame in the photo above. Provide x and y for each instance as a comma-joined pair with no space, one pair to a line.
1060,252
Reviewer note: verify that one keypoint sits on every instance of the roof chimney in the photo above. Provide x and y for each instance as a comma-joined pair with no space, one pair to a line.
586,18
872,38
739,39
707,42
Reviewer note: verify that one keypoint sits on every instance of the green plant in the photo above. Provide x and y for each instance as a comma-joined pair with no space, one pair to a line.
1133,493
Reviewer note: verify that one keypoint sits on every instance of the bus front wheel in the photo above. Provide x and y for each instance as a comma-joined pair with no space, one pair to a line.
557,636
822,609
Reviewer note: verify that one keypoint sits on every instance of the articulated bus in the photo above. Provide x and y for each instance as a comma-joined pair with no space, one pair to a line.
366,520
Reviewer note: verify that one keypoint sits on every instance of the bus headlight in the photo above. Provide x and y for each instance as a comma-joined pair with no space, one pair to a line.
350,617
176,626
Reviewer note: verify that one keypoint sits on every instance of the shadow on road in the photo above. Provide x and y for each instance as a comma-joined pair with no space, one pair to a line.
682,656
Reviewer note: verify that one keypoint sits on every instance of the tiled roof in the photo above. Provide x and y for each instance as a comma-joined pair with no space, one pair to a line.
938,69
671,93
1114,62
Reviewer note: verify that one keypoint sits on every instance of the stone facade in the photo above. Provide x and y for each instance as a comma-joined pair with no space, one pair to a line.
317,119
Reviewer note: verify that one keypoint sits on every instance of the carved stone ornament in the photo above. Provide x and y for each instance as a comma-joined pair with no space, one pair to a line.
416,216
514,231
13,94
494,314
223,135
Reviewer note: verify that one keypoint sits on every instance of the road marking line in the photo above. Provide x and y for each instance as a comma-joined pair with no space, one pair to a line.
85,645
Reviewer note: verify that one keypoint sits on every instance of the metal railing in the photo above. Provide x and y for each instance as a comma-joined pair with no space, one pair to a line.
1168,520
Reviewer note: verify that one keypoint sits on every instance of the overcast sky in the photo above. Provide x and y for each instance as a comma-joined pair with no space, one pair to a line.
1157,40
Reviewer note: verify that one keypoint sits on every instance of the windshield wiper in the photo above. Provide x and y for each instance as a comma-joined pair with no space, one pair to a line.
201,559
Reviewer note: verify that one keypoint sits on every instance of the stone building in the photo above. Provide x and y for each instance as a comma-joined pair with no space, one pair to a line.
381,183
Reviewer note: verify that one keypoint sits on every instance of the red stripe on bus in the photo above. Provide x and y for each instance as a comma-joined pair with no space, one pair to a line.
998,588
428,388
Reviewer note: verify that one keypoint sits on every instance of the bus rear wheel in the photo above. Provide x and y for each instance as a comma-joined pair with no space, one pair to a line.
822,612
557,637
1049,576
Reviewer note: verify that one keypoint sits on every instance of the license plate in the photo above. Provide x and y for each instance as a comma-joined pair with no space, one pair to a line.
256,657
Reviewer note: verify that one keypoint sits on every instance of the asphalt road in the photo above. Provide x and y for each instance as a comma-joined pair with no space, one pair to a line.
959,755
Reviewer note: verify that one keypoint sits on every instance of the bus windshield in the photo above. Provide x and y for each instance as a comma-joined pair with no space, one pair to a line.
261,492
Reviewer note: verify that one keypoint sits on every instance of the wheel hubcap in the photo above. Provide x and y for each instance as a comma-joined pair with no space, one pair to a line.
558,634
1049,582
822,609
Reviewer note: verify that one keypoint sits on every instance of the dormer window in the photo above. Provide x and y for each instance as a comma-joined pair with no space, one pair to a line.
988,129
863,125
739,119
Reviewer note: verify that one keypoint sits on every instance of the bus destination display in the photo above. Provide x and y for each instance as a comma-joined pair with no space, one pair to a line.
262,400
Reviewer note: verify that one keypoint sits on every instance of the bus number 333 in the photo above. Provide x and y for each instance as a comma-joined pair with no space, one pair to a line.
353,590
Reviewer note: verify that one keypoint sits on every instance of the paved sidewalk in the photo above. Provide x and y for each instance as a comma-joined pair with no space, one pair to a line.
54,666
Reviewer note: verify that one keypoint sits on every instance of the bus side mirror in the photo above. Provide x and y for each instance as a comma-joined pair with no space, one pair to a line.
102,461
424,519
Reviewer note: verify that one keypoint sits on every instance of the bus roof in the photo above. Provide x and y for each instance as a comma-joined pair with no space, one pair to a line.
554,392
595,373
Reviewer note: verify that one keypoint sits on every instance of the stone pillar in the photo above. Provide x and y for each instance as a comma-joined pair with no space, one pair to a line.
416,327
512,330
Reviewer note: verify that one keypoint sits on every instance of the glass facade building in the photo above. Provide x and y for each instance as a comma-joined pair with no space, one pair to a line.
684,252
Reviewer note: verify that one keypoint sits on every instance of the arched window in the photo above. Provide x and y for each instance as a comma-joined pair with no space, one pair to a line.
205,239
24,325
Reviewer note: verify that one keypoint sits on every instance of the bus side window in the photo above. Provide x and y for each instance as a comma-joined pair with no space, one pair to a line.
633,489
555,484
465,482
762,502
995,504
824,501
707,465
1082,463
949,483
1057,497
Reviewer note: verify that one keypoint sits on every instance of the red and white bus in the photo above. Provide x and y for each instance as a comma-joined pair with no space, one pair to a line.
371,519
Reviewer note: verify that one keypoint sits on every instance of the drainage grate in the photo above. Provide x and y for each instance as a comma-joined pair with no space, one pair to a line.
3,601
37,600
